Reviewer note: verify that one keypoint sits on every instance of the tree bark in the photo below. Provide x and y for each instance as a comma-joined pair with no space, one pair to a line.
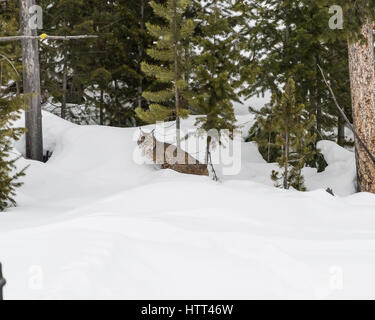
141,52
208,148
101,108
340,131
362,79
31,84
286,165
64,85
176,71
315,104
2,283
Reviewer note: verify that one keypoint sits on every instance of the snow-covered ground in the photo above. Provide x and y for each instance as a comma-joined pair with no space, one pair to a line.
94,223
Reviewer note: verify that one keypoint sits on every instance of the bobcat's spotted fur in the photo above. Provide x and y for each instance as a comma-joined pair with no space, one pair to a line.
168,156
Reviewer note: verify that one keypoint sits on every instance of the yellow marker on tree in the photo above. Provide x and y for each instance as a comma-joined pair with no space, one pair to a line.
43,36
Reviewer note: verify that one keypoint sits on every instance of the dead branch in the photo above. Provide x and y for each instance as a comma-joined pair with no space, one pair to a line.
346,118
64,38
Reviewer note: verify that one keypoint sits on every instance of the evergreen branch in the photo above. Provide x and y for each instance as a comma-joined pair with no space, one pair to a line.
161,55
155,113
159,96
160,73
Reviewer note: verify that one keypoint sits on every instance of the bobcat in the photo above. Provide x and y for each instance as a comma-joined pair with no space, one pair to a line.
168,156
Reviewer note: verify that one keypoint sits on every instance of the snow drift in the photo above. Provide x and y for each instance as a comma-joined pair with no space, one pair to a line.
92,223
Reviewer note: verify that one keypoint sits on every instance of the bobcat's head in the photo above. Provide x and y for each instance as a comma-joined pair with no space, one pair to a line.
146,138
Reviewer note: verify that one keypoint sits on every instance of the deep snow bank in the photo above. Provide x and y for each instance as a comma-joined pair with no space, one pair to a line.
92,223
53,129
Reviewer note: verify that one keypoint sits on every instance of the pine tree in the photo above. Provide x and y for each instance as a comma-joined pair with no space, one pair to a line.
169,51
63,79
96,81
262,132
11,69
11,104
296,39
215,72
10,108
293,124
9,112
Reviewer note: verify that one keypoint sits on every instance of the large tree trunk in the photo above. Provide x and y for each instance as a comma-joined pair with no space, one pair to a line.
31,85
362,78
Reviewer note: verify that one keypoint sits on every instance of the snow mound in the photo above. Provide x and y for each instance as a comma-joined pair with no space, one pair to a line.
93,223
340,175
53,128
335,154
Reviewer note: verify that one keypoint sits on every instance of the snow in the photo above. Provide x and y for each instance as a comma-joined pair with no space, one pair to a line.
340,174
94,223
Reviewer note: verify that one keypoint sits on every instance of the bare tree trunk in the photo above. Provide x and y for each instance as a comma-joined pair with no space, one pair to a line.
208,147
141,53
176,70
286,165
269,148
209,158
31,84
318,100
101,115
315,106
340,131
362,79
2,283
65,85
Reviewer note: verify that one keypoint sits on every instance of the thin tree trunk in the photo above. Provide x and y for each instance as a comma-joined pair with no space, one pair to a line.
208,145
2,283
31,84
317,99
362,79
286,165
269,148
315,108
318,115
176,70
114,122
141,53
101,107
209,158
340,131
65,85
